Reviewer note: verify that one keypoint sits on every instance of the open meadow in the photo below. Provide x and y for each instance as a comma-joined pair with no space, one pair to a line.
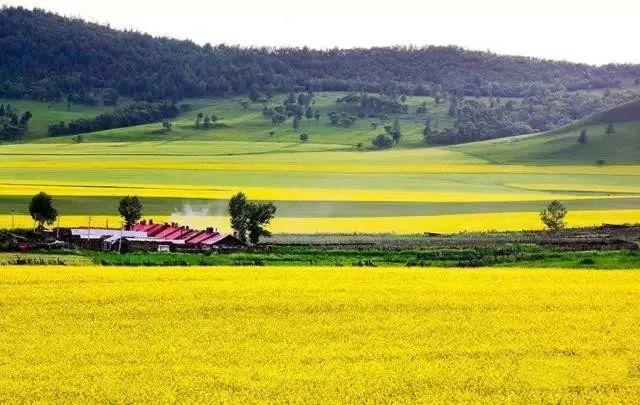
294,334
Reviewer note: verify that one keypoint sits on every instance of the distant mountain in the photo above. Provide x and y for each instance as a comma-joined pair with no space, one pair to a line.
49,57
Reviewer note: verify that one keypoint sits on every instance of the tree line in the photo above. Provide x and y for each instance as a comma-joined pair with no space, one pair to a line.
51,58
478,119
130,115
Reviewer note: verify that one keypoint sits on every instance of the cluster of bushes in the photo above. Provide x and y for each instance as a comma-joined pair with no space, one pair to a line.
130,115
13,126
374,106
297,106
341,119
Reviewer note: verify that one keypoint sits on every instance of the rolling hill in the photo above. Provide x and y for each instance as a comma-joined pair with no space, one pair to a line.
561,146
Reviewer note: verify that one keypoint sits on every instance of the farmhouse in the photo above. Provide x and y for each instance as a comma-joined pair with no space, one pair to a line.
150,236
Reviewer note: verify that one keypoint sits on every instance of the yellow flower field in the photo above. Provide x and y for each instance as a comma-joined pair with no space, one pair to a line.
503,221
564,187
318,335
271,193
299,164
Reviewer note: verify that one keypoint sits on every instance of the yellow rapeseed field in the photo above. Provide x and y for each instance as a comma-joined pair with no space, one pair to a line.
451,223
297,164
28,188
318,335
565,187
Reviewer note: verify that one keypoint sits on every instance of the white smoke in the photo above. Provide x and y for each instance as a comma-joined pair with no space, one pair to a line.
201,216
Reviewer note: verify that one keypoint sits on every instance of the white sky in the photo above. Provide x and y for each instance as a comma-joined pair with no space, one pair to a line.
582,31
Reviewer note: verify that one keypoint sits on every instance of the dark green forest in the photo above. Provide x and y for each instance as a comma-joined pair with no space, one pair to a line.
48,57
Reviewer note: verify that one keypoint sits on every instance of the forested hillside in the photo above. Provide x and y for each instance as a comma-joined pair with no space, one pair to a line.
48,57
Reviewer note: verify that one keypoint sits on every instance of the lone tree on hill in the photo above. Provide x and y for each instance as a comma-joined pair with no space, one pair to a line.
131,210
394,131
382,141
553,216
582,139
249,217
42,211
207,122
611,129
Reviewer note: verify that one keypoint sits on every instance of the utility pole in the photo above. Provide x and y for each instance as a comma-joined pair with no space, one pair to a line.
13,219
89,234
58,231
121,236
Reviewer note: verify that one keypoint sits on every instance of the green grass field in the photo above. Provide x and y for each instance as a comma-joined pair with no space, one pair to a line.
249,125
46,114
327,177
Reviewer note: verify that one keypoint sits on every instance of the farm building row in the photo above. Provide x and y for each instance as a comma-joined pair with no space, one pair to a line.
150,236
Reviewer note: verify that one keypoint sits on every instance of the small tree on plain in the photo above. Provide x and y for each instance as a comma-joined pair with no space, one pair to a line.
582,139
42,210
130,210
611,129
553,216
166,125
382,141
304,137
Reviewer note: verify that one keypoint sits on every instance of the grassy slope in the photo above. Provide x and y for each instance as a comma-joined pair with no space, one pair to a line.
561,147
237,124
46,114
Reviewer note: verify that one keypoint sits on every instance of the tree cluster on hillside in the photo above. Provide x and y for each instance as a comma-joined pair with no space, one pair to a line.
130,115
341,119
49,57
13,125
293,106
374,106
476,119
390,138
205,121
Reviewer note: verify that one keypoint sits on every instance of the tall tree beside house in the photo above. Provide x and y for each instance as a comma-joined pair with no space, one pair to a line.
260,215
238,212
130,210
249,218
42,210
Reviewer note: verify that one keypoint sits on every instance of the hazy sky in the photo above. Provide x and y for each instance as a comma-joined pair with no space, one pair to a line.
582,31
